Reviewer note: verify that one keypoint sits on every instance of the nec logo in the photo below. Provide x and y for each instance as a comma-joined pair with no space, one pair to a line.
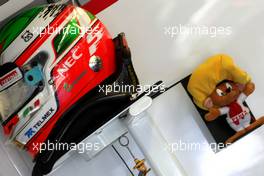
38,125
10,78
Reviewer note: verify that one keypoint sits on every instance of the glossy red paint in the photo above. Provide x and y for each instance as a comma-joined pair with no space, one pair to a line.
10,125
96,6
72,76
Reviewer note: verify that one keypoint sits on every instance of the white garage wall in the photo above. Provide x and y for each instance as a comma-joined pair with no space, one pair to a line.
158,56
11,7
189,140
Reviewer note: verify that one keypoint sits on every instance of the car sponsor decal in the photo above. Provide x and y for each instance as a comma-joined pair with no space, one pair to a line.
10,78
68,87
34,129
26,36
29,110
44,114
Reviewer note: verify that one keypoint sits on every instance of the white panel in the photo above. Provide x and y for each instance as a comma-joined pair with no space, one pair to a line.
136,151
11,7
107,163
14,162
183,127
154,146
158,56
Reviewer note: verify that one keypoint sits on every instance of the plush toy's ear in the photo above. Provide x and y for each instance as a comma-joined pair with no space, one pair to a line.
241,87
208,103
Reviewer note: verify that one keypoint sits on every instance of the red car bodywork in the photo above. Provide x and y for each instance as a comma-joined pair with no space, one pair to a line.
79,71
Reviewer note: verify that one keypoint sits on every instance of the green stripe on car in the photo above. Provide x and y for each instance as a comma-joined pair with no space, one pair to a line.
14,27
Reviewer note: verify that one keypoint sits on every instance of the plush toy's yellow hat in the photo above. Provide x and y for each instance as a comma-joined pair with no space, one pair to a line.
213,71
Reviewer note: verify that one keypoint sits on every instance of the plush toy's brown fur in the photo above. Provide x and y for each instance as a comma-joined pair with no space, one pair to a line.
214,102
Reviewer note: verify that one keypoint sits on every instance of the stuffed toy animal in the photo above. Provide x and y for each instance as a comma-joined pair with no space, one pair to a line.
221,87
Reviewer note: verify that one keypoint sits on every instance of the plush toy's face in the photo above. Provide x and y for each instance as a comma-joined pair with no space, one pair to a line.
224,94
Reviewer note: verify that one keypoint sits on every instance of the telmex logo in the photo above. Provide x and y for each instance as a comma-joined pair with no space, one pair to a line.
10,78
37,126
